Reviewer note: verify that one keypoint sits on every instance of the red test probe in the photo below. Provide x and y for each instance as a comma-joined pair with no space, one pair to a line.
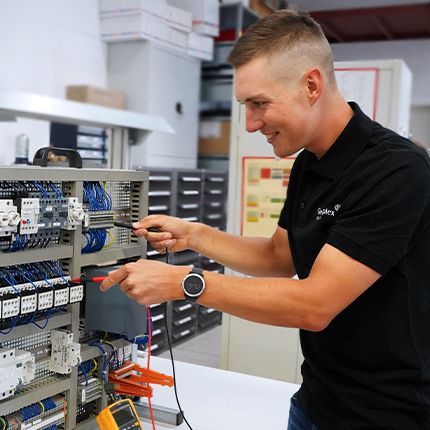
83,279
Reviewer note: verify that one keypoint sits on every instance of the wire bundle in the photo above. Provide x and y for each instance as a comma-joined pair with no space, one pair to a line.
97,199
36,409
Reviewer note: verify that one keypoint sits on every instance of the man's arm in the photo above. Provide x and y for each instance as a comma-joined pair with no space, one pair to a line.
252,256
335,281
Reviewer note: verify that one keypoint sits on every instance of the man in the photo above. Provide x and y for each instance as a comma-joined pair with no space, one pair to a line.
355,229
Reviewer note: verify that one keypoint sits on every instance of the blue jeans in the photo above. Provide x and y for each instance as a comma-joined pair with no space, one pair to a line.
297,419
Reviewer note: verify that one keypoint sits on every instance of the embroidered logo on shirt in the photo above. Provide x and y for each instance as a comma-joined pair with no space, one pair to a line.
327,212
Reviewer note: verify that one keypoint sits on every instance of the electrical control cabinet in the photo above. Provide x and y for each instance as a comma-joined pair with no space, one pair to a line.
55,225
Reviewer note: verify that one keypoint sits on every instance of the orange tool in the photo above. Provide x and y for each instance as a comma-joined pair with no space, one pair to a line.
133,380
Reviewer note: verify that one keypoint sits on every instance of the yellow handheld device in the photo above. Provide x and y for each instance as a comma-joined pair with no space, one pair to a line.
120,415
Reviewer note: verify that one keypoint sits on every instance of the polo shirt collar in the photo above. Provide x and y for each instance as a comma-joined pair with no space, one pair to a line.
347,146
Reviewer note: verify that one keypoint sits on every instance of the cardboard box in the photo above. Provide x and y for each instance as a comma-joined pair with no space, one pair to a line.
200,46
260,7
179,19
139,25
214,138
205,15
156,8
96,96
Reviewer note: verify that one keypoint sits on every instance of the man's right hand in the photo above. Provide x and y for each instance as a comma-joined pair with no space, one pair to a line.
165,232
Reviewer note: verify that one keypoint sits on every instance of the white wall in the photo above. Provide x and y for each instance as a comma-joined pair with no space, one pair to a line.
46,45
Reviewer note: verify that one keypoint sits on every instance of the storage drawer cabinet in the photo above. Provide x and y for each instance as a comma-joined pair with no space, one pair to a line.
215,199
183,335
194,195
208,317
189,194
160,192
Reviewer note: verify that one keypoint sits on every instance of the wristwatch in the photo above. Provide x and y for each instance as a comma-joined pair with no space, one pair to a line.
193,284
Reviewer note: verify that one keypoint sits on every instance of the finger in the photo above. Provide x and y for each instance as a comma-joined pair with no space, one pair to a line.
157,236
151,221
113,278
163,245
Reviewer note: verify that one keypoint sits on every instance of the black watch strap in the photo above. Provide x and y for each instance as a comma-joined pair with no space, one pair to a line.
197,270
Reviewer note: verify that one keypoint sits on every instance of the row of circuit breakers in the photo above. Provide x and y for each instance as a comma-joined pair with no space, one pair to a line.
62,341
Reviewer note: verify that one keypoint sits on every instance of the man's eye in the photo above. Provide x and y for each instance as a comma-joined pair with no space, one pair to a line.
258,104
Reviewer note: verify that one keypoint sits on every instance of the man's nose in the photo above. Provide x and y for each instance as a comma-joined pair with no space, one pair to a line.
253,124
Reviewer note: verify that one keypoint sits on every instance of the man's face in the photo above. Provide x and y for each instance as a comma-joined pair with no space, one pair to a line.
278,108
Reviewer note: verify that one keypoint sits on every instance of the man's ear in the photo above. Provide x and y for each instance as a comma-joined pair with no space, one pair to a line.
313,79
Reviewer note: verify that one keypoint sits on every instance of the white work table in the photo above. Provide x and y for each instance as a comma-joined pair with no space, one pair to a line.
214,399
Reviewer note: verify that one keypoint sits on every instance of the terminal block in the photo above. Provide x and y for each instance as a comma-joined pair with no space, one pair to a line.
99,219
16,368
9,218
65,353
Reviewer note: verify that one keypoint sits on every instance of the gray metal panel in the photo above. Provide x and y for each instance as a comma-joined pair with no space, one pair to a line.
112,254
55,386
87,353
35,173
28,329
59,110
35,255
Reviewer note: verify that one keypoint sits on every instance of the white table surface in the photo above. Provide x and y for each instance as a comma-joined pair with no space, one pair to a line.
220,399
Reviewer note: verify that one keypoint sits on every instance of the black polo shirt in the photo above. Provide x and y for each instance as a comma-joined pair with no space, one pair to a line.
368,196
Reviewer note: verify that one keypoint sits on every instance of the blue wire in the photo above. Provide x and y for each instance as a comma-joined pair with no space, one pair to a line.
85,374
46,322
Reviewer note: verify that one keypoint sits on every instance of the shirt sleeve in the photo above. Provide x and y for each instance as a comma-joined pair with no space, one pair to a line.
378,223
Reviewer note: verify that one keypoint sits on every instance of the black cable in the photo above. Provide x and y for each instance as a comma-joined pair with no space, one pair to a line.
171,358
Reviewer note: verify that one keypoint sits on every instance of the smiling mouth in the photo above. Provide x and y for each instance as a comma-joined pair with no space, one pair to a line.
271,137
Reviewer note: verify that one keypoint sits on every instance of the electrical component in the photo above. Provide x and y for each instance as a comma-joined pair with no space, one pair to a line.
45,414
30,209
75,213
99,219
76,293
120,415
90,390
61,294
45,298
65,353
10,305
9,218
16,367
28,301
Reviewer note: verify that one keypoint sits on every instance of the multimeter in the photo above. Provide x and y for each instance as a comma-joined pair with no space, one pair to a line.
120,415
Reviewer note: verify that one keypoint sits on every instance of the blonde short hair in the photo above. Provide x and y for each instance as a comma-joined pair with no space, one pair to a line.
288,33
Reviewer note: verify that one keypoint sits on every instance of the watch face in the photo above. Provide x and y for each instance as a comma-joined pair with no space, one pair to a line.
193,284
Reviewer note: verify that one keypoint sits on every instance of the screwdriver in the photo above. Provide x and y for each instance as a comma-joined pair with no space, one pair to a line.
83,279
129,225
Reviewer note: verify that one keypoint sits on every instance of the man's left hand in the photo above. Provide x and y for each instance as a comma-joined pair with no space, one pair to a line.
147,281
